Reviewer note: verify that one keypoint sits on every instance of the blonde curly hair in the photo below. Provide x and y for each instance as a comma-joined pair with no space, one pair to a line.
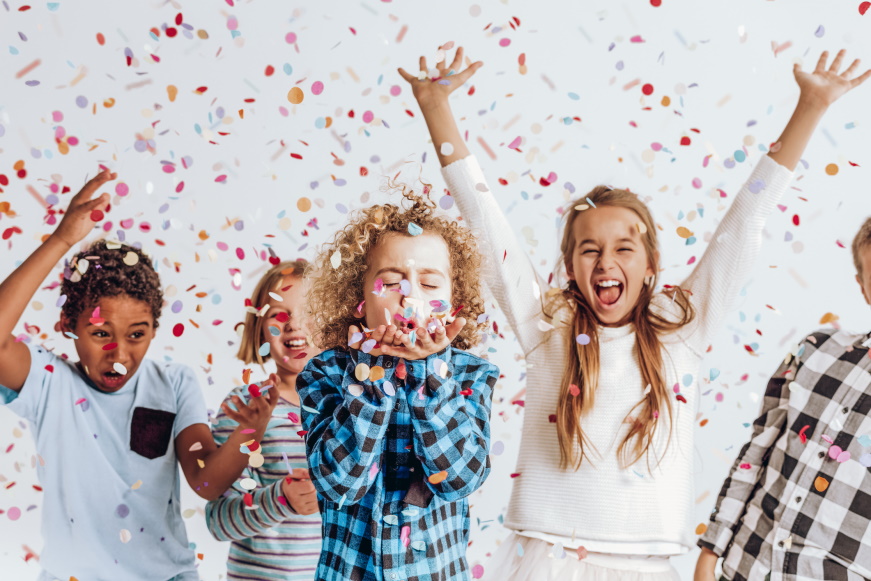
335,293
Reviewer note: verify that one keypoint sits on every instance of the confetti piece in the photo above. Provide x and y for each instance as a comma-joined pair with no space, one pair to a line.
355,389
336,261
447,148
701,529
125,536
195,446
376,373
863,7
832,169
574,390
295,95
178,329
583,339
248,483
391,519
373,471
136,485
256,460
131,259
821,484
361,372
119,368
414,229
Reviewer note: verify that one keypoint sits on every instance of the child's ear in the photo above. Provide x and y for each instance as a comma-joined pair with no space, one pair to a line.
864,291
63,325
650,267
570,272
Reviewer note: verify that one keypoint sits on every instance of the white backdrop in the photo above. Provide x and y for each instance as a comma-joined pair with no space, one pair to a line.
228,168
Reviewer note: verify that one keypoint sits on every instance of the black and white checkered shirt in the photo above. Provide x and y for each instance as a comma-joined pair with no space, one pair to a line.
797,503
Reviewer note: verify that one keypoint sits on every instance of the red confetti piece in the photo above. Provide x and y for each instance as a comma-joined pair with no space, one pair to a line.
795,220
178,329
685,140
248,499
863,7
401,371
97,215
49,368
110,346
302,433
647,89
745,466
802,435
656,3
574,390
681,398
466,392
269,70
255,392
200,90
515,474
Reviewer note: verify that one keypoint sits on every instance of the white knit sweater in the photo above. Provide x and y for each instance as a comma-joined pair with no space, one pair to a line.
601,506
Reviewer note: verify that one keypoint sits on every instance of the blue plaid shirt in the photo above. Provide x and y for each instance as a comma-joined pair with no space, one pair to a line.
394,459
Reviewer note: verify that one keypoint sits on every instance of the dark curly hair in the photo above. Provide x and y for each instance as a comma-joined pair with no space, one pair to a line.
108,275
336,292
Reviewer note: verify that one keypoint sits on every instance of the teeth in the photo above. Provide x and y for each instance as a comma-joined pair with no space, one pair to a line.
608,283
295,344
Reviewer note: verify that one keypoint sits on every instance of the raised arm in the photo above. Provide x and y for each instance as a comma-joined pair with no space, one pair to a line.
20,286
345,431
508,271
726,263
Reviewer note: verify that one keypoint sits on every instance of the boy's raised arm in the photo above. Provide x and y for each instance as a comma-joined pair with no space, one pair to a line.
20,286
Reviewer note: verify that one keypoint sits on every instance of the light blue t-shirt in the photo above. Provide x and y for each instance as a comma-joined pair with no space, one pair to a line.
111,479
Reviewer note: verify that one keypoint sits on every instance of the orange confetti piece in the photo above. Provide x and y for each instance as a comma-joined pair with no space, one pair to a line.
701,529
438,477
832,169
295,95
684,232
171,92
821,484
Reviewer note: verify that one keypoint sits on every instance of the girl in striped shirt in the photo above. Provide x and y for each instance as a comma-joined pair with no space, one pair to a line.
271,515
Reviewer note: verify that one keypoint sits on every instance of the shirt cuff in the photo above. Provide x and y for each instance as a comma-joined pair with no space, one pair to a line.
717,538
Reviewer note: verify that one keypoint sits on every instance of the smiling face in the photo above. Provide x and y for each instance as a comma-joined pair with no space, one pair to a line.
422,260
285,326
123,337
609,261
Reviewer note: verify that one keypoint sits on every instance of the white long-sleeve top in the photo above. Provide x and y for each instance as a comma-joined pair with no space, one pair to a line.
601,506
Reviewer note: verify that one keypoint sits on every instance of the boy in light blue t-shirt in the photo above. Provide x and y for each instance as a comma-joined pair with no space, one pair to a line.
112,427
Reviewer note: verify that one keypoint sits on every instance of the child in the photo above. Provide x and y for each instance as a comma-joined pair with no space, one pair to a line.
111,427
398,424
275,527
605,466
797,503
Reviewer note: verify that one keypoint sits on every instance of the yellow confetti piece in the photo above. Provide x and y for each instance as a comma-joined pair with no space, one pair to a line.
701,529
256,460
642,229
136,485
361,372
188,513
438,477
295,95
201,463
832,169
376,373
684,232
821,484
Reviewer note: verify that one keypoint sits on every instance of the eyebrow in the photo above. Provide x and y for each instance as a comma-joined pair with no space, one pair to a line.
393,269
109,324
620,241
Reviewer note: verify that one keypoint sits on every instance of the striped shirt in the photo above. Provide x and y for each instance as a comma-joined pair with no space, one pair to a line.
269,540
797,503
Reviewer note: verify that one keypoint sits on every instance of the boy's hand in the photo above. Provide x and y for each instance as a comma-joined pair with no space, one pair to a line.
300,492
822,87
398,344
257,413
431,92
705,566
83,212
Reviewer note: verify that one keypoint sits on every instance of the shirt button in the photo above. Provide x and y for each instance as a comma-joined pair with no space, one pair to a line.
798,499
822,454
780,543
845,410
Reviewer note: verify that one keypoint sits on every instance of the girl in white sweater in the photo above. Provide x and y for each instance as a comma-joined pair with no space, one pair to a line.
606,470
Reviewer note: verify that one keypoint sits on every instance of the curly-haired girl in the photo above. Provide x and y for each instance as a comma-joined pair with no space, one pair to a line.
397,416
114,422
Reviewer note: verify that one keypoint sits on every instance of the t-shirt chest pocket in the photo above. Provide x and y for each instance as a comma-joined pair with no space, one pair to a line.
151,432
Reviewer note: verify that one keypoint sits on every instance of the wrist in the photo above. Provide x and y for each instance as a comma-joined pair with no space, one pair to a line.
58,241
812,104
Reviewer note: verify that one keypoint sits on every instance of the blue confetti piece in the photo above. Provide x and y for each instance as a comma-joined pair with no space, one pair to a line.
414,229
264,350
70,335
310,410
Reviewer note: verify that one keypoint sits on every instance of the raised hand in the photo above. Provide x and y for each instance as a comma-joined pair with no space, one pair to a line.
83,212
428,340
257,412
824,85
433,91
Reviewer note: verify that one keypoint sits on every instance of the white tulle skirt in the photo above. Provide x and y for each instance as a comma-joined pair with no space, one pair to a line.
521,558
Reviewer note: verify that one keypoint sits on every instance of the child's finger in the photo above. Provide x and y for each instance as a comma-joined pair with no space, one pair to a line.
93,184
836,64
465,75
821,63
300,474
96,203
454,328
859,80
458,59
405,75
423,68
851,69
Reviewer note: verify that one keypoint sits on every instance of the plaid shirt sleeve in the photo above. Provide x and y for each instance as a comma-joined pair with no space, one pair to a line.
747,471
451,420
345,432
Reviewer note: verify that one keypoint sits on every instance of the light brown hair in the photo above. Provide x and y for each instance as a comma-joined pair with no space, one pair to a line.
582,363
861,241
271,281
336,292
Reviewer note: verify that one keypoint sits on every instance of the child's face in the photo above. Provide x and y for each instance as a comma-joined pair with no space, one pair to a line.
864,279
127,324
422,260
291,348
609,262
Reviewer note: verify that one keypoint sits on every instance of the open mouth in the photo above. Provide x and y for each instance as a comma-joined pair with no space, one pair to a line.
295,344
608,291
113,379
